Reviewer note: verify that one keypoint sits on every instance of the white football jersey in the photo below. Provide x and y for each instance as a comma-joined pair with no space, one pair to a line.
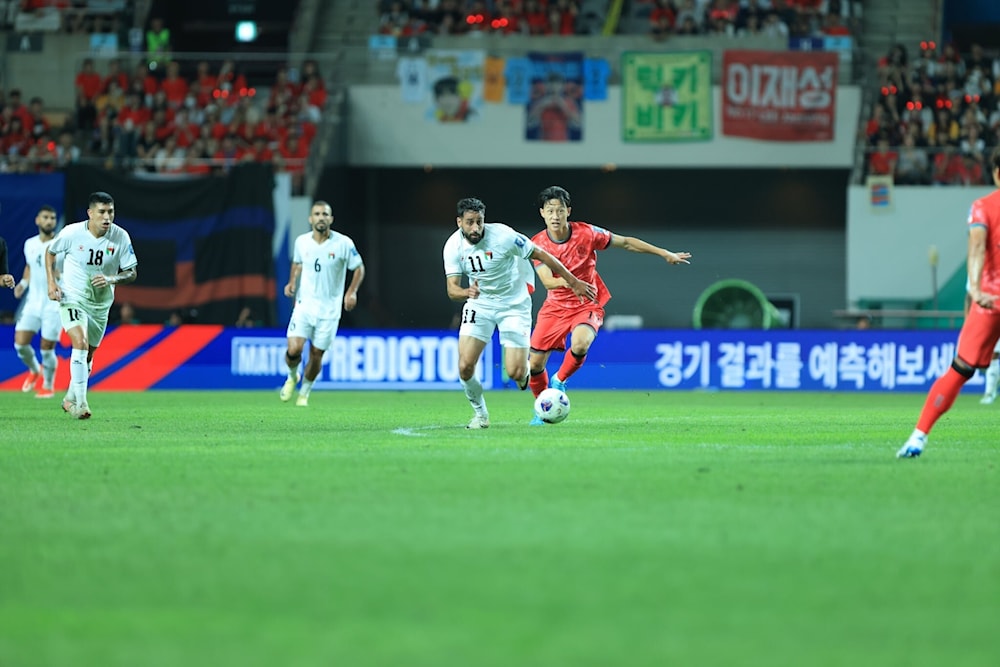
499,262
324,272
38,286
87,255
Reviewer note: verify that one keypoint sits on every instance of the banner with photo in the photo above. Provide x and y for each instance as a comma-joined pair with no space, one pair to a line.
667,96
554,110
455,78
779,95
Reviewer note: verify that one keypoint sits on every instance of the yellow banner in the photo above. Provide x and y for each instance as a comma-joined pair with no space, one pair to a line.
667,96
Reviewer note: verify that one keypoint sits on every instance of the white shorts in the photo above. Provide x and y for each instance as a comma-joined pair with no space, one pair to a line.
40,316
319,331
94,324
514,323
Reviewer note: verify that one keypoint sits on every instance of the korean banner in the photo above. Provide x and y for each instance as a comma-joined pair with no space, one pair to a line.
667,96
455,78
779,95
554,111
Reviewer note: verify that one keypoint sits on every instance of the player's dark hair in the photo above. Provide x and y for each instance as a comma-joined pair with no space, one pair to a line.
553,192
47,209
320,202
471,204
99,198
995,158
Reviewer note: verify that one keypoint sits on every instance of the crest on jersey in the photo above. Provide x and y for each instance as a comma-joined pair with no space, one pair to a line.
489,254
332,255
111,250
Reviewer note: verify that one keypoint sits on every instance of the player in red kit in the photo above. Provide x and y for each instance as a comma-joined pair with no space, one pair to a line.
981,328
563,314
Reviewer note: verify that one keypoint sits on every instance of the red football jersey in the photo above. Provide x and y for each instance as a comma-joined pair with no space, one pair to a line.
986,212
578,253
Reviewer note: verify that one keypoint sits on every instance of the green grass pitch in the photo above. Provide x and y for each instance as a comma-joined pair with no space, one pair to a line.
651,528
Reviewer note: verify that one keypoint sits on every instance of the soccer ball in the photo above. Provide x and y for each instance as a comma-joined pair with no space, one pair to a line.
552,406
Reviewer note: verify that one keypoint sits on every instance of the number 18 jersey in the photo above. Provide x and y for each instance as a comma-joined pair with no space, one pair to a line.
86,256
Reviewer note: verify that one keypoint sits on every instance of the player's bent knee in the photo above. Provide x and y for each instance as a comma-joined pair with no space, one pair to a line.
962,368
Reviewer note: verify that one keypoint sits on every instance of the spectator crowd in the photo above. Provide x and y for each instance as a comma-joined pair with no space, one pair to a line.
156,113
660,18
936,116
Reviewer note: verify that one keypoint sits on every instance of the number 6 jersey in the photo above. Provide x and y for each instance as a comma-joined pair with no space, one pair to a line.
87,255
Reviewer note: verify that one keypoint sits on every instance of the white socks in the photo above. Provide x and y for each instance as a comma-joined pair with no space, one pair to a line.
27,354
79,374
49,363
474,392
307,386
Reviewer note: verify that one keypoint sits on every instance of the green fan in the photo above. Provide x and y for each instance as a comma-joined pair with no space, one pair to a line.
734,304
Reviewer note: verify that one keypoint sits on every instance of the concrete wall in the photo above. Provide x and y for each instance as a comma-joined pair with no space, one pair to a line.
50,73
386,132
888,251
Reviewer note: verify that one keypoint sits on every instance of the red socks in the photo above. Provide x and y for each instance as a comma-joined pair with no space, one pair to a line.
941,397
571,364
538,382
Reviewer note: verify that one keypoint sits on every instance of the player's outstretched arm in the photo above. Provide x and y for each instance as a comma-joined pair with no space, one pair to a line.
580,288
549,281
638,245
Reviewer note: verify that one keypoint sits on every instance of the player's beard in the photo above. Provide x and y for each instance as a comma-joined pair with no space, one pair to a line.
321,227
473,237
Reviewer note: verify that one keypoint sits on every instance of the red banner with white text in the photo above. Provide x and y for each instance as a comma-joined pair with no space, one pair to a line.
779,95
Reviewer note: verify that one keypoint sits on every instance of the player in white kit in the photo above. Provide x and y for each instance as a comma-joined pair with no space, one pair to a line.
320,262
38,313
97,255
495,260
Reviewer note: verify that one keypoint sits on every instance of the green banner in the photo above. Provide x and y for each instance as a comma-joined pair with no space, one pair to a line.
667,96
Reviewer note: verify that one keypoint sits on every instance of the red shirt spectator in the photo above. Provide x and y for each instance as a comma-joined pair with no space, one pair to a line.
174,85
185,131
883,160
134,114
269,126
16,141
144,83
18,108
536,17
229,153
116,74
948,168
260,152
88,83
204,84
293,154
37,5
37,124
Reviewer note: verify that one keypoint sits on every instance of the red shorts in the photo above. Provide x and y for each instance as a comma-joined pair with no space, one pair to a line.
552,327
979,335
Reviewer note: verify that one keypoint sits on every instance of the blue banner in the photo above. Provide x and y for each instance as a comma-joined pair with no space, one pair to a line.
135,358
